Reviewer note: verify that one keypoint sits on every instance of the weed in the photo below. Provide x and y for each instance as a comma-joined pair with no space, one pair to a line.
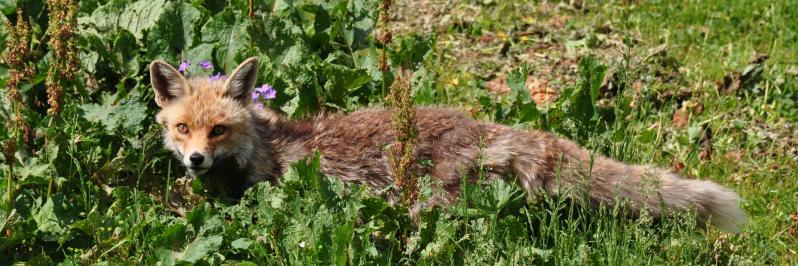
403,153
102,190
64,66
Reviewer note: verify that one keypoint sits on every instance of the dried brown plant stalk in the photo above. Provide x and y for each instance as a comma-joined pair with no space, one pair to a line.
65,62
17,55
402,155
384,35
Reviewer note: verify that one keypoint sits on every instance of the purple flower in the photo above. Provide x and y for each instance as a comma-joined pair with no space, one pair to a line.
183,66
256,96
265,92
268,92
205,64
218,77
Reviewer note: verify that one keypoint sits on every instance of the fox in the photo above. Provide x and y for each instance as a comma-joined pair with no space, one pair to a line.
219,134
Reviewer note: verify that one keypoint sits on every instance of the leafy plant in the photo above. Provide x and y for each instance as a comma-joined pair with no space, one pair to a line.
90,183
575,113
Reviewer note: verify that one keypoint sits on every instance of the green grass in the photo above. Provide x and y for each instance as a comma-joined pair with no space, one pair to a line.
117,199
765,173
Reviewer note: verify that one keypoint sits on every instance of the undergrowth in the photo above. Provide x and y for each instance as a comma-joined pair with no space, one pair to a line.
90,183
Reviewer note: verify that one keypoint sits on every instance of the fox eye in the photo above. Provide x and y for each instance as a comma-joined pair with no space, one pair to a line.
218,131
182,128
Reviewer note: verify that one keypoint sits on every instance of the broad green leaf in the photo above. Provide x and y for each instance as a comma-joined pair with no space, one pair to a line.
281,5
362,29
163,257
342,240
89,61
46,220
354,22
93,51
141,15
200,248
8,7
528,111
190,18
592,74
52,217
310,172
503,193
318,23
172,236
3,30
308,91
582,111
295,55
103,19
341,81
290,107
523,109
198,216
228,32
32,169
411,51
166,40
241,243
516,80
52,152
200,52
126,53
127,114
367,59
136,18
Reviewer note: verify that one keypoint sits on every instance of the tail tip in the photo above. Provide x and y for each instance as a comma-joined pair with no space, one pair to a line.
725,213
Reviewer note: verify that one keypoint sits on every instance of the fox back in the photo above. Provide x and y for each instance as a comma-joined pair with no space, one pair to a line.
216,131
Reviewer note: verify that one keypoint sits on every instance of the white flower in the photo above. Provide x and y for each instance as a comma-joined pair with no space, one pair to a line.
302,244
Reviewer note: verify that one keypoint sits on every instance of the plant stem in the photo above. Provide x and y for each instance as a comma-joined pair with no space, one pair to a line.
251,9
10,192
8,150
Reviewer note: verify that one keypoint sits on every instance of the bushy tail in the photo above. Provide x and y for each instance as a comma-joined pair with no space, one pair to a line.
653,188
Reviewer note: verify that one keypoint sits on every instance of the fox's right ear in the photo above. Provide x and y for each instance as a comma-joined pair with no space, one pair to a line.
168,83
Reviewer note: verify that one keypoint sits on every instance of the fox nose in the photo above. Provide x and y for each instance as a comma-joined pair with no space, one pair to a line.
196,159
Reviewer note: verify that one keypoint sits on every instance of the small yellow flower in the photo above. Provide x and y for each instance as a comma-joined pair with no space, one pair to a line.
455,81
502,36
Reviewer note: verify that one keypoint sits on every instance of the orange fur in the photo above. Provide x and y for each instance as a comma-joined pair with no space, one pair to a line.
259,145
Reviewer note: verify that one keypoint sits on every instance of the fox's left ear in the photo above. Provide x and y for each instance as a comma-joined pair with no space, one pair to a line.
242,80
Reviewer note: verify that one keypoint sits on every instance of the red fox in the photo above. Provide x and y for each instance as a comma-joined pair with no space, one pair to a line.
213,127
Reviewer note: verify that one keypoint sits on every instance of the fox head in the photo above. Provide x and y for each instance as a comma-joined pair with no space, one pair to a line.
206,121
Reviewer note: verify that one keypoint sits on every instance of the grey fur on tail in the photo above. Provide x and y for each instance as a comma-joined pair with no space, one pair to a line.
712,202
718,205
557,166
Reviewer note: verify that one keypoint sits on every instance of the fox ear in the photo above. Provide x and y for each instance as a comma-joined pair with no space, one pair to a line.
168,83
242,80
